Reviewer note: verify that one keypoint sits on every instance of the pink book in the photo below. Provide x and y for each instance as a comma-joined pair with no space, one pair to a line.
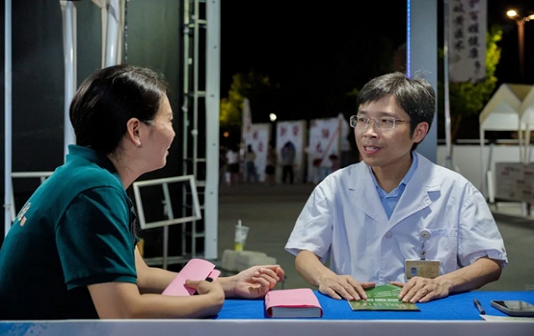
195,269
292,303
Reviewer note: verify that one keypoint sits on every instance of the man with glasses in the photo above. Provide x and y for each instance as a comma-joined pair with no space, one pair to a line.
396,217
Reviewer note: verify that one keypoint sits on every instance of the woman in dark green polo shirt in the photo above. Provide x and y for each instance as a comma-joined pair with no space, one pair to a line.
71,252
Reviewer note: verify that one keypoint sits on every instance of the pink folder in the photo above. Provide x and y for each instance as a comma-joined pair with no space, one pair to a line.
301,298
195,269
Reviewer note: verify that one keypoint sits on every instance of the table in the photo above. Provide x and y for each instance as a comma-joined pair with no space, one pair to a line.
458,307
455,315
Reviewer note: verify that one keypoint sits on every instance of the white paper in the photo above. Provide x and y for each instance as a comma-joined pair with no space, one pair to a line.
493,318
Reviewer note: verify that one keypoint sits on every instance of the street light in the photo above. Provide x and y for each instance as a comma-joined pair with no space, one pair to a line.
513,14
272,117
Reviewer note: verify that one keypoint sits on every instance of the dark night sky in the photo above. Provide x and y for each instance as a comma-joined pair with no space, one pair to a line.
316,51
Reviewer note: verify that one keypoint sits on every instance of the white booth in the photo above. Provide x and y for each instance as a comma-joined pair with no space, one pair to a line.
501,113
526,112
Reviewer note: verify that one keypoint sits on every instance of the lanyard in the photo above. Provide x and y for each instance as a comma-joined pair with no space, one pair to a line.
424,234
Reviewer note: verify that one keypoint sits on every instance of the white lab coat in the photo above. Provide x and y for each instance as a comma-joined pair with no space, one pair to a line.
344,219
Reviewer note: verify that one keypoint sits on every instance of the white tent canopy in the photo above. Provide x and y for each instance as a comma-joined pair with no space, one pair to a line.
527,107
502,113
526,112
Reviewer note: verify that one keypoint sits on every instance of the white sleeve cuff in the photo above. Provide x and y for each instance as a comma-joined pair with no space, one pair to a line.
294,250
492,254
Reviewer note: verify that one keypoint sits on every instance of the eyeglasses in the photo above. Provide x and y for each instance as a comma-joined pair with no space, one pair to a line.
383,123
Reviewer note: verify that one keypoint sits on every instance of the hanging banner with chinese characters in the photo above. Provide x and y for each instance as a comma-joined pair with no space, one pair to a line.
324,140
258,137
293,132
467,40
247,117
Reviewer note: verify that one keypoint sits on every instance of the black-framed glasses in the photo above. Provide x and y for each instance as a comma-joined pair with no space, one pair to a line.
383,123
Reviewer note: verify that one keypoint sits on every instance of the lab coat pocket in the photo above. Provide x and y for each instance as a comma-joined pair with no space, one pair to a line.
443,247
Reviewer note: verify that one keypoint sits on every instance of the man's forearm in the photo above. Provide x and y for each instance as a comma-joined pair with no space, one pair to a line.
310,267
474,276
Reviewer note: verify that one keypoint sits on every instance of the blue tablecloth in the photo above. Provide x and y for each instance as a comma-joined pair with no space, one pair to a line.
454,307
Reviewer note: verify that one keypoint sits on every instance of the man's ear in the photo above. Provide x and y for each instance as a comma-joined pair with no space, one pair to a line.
133,132
420,132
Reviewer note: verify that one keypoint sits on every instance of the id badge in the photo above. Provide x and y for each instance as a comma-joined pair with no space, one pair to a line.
421,268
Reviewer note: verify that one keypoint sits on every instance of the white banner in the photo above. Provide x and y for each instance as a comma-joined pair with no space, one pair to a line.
323,141
293,132
345,131
467,40
258,137
247,117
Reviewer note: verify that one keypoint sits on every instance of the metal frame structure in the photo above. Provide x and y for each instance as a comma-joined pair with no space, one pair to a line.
112,28
113,21
164,182
68,9
421,55
8,71
193,97
42,176
213,73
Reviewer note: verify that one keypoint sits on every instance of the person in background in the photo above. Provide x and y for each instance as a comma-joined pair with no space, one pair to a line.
250,157
232,164
334,160
270,169
288,161
222,164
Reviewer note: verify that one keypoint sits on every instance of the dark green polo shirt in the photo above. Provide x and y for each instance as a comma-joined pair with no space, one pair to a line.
74,231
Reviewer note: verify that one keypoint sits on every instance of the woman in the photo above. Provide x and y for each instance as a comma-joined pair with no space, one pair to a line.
270,169
250,157
71,252
232,163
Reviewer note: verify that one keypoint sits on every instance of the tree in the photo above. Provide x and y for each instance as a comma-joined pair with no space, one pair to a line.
468,99
254,86
231,107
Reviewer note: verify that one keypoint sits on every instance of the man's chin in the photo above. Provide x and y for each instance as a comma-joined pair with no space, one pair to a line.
370,161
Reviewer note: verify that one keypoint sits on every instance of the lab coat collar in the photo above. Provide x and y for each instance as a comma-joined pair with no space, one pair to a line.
417,195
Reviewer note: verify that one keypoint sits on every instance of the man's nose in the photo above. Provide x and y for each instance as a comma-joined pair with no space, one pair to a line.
370,131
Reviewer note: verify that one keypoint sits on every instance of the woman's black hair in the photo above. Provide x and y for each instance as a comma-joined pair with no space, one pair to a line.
110,97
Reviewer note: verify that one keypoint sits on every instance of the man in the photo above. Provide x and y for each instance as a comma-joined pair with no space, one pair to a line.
396,210
288,160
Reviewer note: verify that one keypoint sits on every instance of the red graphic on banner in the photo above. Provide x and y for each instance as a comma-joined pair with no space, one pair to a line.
260,147
255,135
326,133
296,130
319,148
283,131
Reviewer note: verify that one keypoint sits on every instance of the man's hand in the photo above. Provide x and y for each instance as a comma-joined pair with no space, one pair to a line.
256,281
422,290
344,286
